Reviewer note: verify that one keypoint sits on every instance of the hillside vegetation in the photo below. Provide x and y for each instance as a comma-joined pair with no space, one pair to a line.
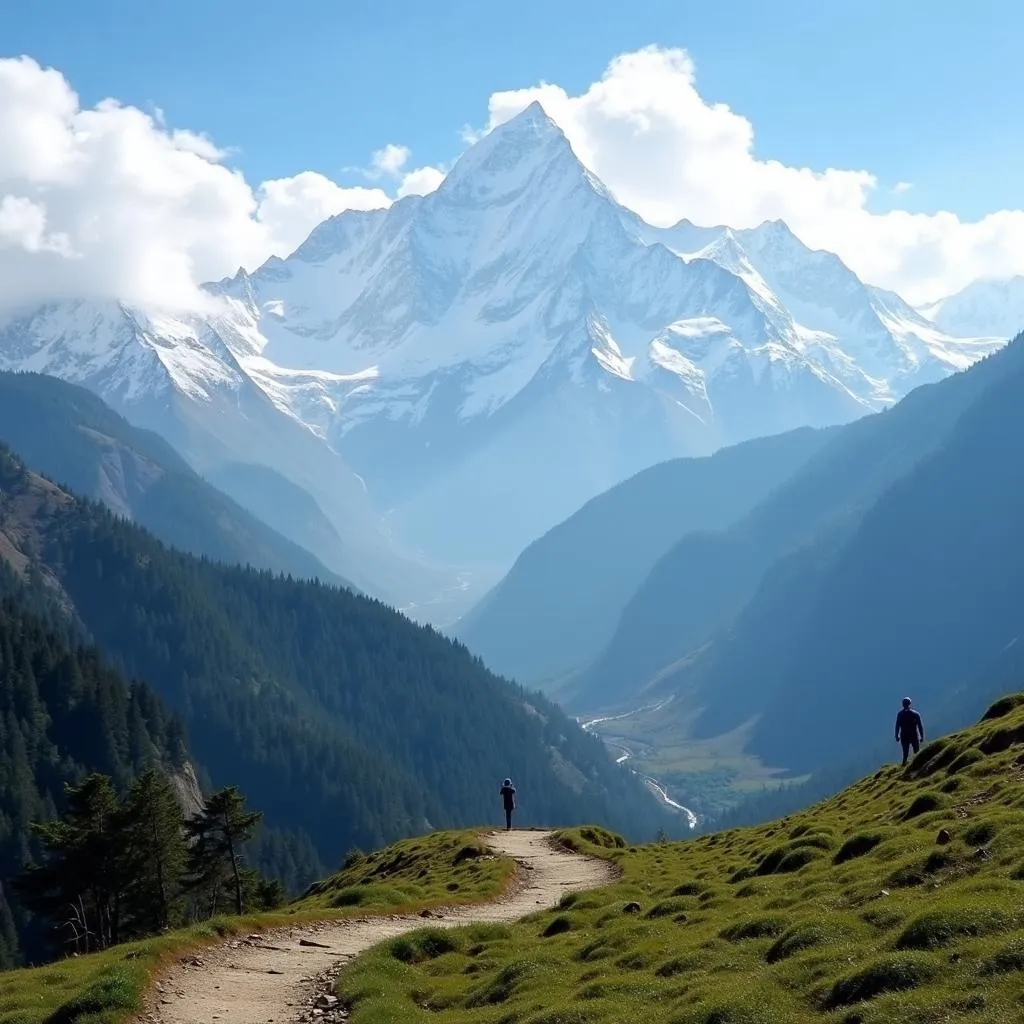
108,987
63,714
345,723
901,899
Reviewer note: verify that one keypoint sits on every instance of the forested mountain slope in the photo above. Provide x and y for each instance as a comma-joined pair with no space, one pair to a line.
64,713
70,435
339,718
698,588
560,603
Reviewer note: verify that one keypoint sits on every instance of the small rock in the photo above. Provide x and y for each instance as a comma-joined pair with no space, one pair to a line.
981,853
310,942
885,892
631,908
326,1002
943,837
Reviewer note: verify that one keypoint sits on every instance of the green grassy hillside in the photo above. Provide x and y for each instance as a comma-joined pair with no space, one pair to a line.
429,871
107,987
901,899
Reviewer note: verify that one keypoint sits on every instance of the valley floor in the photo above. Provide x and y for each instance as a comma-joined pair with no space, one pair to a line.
277,976
696,777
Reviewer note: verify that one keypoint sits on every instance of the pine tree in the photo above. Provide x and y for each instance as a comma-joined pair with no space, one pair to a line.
79,885
8,934
219,834
154,853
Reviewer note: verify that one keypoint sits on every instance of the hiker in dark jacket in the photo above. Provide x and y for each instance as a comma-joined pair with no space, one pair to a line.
508,798
909,729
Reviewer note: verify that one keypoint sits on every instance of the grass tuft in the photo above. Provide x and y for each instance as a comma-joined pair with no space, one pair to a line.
857,846
924,803
940,927
894,972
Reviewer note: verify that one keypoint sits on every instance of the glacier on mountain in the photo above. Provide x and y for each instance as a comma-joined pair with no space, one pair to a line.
450,377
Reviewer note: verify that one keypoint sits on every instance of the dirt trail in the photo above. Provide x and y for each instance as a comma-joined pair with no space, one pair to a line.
286,975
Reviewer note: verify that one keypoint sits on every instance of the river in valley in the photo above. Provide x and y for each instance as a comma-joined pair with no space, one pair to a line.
625,753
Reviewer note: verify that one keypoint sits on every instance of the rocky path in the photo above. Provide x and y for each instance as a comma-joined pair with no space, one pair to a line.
286,976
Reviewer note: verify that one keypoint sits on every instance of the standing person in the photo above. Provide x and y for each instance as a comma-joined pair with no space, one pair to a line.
508,798
909,729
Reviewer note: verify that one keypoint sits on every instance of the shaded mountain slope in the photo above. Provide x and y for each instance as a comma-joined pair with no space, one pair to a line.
72,436
926,593
696,590
561,601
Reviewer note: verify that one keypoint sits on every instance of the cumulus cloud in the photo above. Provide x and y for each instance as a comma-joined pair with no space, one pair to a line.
289,208
391,162
110,201
666,153
420,182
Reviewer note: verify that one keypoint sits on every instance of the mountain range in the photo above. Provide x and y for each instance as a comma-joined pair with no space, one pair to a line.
884,562
437,384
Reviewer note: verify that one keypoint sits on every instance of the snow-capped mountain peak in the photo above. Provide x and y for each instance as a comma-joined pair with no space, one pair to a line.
489,356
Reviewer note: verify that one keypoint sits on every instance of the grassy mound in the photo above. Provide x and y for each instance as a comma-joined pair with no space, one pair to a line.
900,899
443,868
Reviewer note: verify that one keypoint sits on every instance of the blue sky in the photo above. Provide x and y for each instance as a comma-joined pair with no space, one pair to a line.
928,94
886,131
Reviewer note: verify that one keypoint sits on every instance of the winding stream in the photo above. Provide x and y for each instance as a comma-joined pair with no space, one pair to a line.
616,743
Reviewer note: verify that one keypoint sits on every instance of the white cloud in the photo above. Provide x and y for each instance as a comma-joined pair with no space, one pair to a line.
110,201
668,154
390,160
198,143
23,226
289,208
420,182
